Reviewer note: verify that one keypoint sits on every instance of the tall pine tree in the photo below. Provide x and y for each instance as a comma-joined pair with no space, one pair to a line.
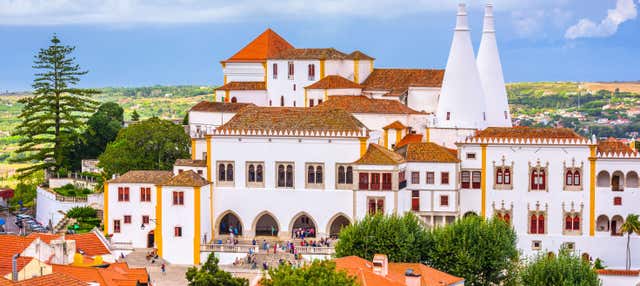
52,117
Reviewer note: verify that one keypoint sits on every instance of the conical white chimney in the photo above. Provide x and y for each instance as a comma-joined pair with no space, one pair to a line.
461,102
490,70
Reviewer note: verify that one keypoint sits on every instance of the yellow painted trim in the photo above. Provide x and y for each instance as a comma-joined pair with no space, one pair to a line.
226,96
428,134
208,158
483,181
398,135
370,66
105,213
306,98
193,148
157,233
196,225
264,66
363,146
592,190
386,138
326,95
224,65
321,69
356,71
225,79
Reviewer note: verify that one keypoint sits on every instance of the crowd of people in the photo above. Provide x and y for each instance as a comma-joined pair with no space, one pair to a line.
302,233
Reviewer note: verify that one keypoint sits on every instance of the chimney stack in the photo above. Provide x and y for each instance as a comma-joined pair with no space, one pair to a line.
461,103
411,278
491,76
380,264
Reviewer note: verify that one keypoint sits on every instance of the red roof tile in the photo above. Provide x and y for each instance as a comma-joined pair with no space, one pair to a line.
265,46
397,125
116,274
190,163
89,243
409,138
363,104
210,106
378,155
333,82
12,244
358,55
427,152
187,178
243,85
398,81
6,263
143,177
521,132
54,279
614,146
310,54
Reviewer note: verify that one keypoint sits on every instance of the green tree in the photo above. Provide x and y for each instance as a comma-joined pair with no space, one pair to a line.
185,120
317,273
482,251
135,116
401,238
565,269
630,226
211,275
52,117
152,144
102,128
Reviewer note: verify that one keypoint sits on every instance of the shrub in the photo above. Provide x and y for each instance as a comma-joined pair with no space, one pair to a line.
82,212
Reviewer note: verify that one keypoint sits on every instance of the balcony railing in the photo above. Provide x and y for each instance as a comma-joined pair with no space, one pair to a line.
244,248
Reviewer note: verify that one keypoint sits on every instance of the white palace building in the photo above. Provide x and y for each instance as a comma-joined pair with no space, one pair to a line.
317,138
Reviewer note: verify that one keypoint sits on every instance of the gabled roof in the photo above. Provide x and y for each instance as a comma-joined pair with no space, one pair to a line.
243,85
614,146
358,55
310,54
521,132
378,155
409,138
333,82
116,274
53,279
13,244
190,163
187,178
398,81
265,46
143,177
397,125
363,104
6,263
293,119
427,152
89,243
211,106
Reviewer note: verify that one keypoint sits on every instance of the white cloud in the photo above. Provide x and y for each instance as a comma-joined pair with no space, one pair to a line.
61,12
625,10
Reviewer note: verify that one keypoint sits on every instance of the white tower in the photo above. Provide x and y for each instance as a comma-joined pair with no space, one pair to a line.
461,102
490,70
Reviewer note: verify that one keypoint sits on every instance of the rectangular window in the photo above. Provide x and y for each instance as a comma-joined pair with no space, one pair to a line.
444,201
476,177
145,194
448,115
123,194
538,179
415,177
431,178
291,72
312,72
345,175
363,181
178,198
415,201
375,181
200,172
386,181
127,219
471,156
310,102
315,175
255,174
116,226
375,205
319,101
536,245
465,179
145,219
444,178
226,172
617,201
177,231
275,71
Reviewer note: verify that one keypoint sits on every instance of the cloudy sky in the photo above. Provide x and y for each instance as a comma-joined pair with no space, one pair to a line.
145,42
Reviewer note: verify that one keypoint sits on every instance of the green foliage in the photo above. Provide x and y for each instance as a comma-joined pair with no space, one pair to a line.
135,116
185,120
52,117
401,238
482,251
565,269
69,190
598,264
82,212
630,226
211,275
25,190
152,144
316,274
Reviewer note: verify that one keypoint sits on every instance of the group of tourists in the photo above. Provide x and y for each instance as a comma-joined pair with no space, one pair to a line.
302,233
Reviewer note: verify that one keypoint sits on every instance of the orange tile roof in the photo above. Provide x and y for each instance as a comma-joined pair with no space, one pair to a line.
54,279
143,177
358,55
293,119
409,138
265,46
89,243
6,263
618,272
521,132
333,82
86,274
45,237
428,276
12,244
116,274
614,146
363,104
190,163
210,106
427,152
187,178
378,155
310,54
398,81
243,85
397,125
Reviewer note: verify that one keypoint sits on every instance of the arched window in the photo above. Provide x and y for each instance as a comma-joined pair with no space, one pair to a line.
311,177
221,173
230,172
349,175
499,176
568,223
252,173
259,174
281,175
319,175
533,228
576,223
576,178
282,100
569,178
507,176
341,175
234,100
534,180
543,179
289,182
541,224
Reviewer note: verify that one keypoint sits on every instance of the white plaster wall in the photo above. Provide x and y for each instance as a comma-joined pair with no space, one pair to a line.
47,208
423,98
604,195
131,233
244,71
343,68
283,86
201,148
365,67
178,250
615,280
449,136
206,122
176,170
257,97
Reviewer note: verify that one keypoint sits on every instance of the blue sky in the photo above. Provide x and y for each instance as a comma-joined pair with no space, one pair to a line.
146,42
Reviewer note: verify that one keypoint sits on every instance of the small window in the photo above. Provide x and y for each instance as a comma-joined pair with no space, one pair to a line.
312,71
127,219
282,97
476,178
291,72
569,245
506,116
310,102
444,201
145,219
275,71
315,175
444,178
177,231
116,226
319,101
284,173
465,179
536,245
471,156
225,173
123,194
415,201
255,176
415,177
617,201
145,194
386,181
448,115
178,198
234,99
375,205
431,178
484,116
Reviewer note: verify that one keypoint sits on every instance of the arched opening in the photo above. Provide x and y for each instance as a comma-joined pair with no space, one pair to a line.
602,223
468,214
303,226
230,223
632,180
616,223
603,179
617,181
234,100
266,225
336,225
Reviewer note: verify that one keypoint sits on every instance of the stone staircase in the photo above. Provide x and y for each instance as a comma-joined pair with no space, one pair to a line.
61,226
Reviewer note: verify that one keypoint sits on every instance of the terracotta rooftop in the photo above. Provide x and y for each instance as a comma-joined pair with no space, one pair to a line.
53,279
116,274
143,177
333,82
521,132
358,55
12,244
618,272
243,85
395,125
266,45
293,119
6,264
378,155
191,163
210,106
398,81
614,146
89,243
409,138
363,104
310,54
45,237
187,178
427,152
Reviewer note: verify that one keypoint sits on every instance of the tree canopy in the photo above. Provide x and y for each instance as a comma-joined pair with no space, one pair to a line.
317,273
565,269
152,144
211,275
102,127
